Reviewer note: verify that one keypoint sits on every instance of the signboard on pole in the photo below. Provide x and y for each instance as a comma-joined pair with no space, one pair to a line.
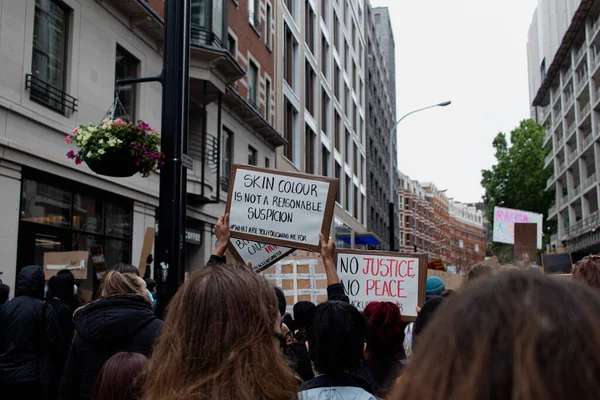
504,224
379,276
284,208
260,255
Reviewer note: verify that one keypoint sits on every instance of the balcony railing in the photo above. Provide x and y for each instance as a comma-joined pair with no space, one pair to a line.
550,180
584,225
552,210
563,201
252,103
581,82
554,239
596,26
585,111
580,53
597,95
568,74
561,167
572,128
572,156
586,142
254,20
201,36
50,96
547,135
590,181
574,193
548,159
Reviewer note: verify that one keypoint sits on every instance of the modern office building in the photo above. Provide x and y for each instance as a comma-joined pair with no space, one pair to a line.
380,120
564,84
60,60
321,102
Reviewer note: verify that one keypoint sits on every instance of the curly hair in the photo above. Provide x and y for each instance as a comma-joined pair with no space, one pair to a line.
588,271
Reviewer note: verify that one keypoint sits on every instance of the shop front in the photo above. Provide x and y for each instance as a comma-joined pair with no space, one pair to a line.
59,215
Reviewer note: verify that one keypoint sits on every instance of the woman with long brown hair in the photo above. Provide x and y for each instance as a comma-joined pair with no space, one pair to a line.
220,340
522,336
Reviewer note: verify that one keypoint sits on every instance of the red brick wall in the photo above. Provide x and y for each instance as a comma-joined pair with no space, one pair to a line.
158,6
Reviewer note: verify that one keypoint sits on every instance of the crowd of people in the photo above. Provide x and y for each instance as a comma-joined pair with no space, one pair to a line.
506,334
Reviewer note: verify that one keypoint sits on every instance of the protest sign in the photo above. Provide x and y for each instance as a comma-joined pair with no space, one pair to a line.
504,224
451,281
146,249
260,255
98,260
284,208
379,276
74,261
559,263
300,278
525,248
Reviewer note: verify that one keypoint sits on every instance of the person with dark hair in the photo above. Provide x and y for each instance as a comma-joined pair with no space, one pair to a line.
4,293
60,287
122,319
336,338
64,289
424,317
121,378
281,302
29,338
125,268
297,352
587,271
221,340
303,314
384,353
510,336
151,286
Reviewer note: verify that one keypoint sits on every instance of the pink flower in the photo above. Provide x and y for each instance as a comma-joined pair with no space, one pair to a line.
76,131
69,139
71,154
119,123
78,160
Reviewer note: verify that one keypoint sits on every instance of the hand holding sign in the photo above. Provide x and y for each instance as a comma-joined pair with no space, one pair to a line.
223,235
328,255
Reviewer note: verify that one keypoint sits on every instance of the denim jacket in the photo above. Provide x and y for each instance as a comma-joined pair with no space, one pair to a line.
336,387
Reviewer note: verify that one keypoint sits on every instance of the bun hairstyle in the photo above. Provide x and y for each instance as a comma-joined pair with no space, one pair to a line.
115,283
385,333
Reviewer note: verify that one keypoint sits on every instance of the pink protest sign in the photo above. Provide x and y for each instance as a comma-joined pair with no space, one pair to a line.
504,224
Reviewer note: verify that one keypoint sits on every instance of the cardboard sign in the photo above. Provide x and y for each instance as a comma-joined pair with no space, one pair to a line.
525,249
74,261
560,263
504,224
451,281
283,208
98,261
300,278
146,249
260,255
379,276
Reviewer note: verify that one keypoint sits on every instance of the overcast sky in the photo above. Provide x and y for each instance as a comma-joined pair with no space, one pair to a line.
474,53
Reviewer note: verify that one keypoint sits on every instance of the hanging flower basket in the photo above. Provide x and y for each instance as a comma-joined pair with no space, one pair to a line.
117,148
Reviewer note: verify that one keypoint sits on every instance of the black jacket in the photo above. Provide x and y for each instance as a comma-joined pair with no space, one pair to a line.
28,328
103,328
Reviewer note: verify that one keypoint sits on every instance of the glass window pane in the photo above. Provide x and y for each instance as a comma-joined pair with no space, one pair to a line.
87,214
49,38
47,243
126,66
118,221
116,251
45,204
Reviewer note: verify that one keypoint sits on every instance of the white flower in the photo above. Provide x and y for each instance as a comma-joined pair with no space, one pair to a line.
89,154
101,151
101,141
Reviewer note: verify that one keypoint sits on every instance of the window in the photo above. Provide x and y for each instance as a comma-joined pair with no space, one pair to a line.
252,156
126,66
289,130
336,83
543,69
290,52
355,154
231,44
377,17
476,247
49,58
336,33
363,209
309,147
268,33
254,14
267,162
289,4
324,57
348,146
309,26
346,57
268,100
325,155
355,202
338,175
336,130
253,85
325,11
309,88
348,192
353,35
226,156
362,169
324,112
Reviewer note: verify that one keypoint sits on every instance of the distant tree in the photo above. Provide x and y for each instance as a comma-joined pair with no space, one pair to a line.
518,180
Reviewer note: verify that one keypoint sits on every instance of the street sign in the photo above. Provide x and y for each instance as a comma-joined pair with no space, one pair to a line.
187,162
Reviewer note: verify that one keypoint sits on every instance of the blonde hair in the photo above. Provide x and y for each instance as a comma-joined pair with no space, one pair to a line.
115,283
